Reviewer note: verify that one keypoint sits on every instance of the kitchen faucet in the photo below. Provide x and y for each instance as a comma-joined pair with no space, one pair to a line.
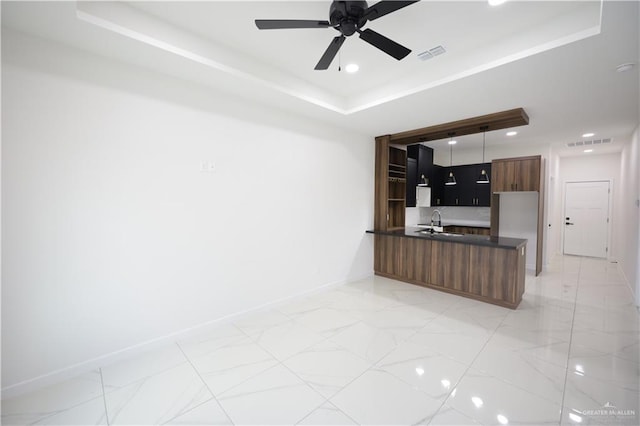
439,218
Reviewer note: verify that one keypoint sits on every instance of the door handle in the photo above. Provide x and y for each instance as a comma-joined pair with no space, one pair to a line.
568,223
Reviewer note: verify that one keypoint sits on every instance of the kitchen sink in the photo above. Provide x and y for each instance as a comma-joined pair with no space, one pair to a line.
429,227
444,234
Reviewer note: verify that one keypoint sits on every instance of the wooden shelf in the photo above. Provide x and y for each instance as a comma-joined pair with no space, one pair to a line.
390,185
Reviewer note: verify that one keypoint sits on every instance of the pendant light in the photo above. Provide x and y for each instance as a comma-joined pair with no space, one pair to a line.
451,180
483,178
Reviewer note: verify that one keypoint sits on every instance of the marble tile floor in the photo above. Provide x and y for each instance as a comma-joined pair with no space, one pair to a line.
379,351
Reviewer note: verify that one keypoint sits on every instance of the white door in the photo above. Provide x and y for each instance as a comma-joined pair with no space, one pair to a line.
586,218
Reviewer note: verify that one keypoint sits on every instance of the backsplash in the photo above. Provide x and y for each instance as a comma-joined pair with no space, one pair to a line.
456,213
412,216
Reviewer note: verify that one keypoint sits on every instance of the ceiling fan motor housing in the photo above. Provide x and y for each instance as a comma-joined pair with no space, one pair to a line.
347,16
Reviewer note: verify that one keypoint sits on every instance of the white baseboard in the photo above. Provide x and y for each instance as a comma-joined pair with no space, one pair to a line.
93,364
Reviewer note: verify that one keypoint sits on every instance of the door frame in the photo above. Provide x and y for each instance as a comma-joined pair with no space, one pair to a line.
609,212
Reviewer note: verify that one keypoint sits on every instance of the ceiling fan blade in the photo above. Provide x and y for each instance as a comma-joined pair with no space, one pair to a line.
388,46
384,8
330,53
278,24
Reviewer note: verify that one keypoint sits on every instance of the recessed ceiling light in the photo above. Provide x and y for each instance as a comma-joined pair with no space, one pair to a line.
588,135
625,67
453,142
512,133
588,150
351,68
496,2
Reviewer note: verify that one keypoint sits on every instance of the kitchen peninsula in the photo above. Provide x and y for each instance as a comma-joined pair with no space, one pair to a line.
489,268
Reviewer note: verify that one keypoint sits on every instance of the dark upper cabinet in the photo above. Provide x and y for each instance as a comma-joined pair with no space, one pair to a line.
437,185
419,163
412,181
452,192
425,164
467,192
483,190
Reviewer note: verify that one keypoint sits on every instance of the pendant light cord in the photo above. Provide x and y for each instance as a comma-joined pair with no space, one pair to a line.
484,136
451,156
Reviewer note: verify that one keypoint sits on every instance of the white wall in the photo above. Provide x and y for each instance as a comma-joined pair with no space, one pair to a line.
112,234
592,168
553,207
629,214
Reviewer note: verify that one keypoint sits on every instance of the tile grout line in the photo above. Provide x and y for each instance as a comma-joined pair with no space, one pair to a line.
252,338
104,397
462,376
573,319
205,385
281,363
374,366
328,338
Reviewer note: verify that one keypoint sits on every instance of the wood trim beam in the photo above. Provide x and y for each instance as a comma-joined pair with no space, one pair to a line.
496,121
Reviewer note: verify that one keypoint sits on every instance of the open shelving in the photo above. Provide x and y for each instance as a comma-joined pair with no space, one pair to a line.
397,187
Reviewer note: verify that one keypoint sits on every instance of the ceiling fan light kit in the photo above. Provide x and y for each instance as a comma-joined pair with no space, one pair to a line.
348,18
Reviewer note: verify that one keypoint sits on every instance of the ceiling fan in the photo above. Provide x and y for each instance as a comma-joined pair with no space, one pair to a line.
347,17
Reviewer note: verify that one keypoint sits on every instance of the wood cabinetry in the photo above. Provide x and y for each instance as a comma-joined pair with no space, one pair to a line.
497,273
405,258
417,260
516,174
389,257
449,265
490,274
390,185
397,181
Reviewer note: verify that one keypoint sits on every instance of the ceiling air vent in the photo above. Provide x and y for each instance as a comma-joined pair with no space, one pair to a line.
589,142
428,54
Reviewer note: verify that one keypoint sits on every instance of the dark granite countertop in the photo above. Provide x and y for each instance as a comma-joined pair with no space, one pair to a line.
478,240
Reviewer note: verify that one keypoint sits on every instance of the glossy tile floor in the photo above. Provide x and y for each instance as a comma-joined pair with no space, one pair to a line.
378,351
